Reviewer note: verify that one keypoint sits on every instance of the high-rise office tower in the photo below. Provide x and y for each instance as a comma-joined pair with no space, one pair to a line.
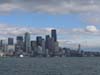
10,41
79,48
34,48
19,39
10,46
1,43
43,47
27,43
39,40
47,37
19,44
54,34
33,45
56,44
51,47
48,45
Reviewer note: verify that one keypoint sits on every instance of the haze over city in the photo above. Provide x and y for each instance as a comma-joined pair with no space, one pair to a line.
76,21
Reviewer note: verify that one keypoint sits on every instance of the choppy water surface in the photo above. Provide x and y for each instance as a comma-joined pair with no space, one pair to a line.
50,66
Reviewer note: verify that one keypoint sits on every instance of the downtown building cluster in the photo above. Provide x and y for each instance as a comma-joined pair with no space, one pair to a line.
41,47
47,46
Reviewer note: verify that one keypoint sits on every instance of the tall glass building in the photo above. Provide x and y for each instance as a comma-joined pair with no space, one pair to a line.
47,37
19,46
19,39
10,41
39,40
27,43
54,35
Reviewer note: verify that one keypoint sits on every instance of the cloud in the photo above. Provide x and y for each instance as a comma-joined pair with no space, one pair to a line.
7,7
52,6
18,30
91,29
87,9
6,29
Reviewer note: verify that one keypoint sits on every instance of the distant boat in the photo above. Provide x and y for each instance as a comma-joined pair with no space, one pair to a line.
21,56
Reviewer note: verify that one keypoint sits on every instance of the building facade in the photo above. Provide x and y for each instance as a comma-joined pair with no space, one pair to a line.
27,43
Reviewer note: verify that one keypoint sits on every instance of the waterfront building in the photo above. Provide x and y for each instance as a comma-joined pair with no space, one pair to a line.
39,50
1,43
51,47
19,46
11,48
27,43
33,48
3,46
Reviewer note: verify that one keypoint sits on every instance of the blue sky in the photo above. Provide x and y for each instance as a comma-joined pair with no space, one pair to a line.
76,21
41,20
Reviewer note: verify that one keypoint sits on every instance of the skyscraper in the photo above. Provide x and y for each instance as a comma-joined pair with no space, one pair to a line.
39,40
33,45
19,39
19,47
27,43
54,34
79,48
10,41
10,46
51,47
1,45
34,48
47,37
43,47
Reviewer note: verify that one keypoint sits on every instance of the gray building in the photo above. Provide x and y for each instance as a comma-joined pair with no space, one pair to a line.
34,48
19,39
51,47
56,46
79,48
33,45
47,38
54,34
19,46
2,46
10,41
43,48
27,43
39,40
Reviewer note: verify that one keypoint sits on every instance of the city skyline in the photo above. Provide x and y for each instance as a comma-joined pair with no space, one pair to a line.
76,21
41,47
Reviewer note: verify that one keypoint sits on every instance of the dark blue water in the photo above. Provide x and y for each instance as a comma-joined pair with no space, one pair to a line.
50,66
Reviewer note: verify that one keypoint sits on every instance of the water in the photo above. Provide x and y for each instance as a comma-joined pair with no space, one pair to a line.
50,66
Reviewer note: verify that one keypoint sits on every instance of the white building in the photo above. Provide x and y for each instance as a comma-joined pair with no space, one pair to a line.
11,48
